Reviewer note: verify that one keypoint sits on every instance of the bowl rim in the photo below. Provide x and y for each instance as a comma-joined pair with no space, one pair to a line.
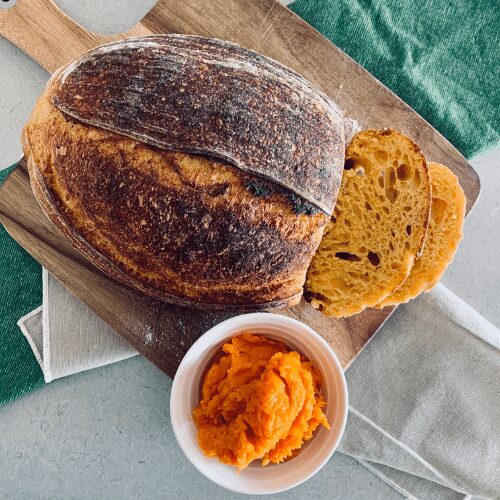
215,337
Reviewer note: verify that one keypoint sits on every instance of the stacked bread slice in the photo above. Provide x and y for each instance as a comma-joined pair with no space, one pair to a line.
443,236
396,226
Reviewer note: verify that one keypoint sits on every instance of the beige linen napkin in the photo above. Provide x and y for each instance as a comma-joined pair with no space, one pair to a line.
425,400
67,337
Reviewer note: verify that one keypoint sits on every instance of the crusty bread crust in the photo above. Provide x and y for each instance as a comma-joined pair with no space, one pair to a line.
192,169
179,227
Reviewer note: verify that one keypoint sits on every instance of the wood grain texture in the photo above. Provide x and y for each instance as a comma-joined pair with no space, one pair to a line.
48,36
160,331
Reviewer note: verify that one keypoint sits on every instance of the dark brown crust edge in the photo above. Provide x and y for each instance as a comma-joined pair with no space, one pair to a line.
102,263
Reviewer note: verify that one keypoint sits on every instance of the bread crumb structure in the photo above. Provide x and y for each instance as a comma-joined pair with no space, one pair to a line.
260,400
378,228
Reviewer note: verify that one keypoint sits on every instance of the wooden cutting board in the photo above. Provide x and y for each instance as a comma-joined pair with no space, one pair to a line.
160,331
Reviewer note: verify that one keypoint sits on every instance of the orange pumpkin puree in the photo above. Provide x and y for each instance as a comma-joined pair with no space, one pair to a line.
259,400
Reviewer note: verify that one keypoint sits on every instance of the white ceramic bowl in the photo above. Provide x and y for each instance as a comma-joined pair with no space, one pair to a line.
256,479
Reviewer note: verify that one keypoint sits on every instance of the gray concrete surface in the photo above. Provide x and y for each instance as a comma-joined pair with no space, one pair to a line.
106,433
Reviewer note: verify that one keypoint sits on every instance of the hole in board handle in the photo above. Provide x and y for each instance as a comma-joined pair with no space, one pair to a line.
7,4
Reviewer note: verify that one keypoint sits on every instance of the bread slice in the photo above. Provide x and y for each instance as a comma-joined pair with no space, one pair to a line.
443,236
378,228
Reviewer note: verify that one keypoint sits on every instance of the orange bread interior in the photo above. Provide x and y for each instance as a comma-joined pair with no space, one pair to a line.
378,228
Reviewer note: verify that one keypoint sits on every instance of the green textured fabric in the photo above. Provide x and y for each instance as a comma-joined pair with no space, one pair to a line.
442,57
20,292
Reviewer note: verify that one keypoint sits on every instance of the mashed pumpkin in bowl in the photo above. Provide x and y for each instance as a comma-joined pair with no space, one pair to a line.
259,400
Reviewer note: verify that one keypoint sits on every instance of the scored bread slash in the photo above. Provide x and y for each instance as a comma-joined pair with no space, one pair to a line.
213,97
378,228
443,236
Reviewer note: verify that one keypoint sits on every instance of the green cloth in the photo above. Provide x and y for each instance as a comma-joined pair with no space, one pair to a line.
442,57
439,56
20,292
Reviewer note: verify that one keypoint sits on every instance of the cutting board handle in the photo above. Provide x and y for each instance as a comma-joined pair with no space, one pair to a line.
42,30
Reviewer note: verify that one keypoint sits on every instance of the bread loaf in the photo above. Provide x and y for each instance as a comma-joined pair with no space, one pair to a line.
378,227
191,169
443,236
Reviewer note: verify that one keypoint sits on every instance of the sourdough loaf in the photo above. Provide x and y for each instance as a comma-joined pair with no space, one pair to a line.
191,169
378,227
443,236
